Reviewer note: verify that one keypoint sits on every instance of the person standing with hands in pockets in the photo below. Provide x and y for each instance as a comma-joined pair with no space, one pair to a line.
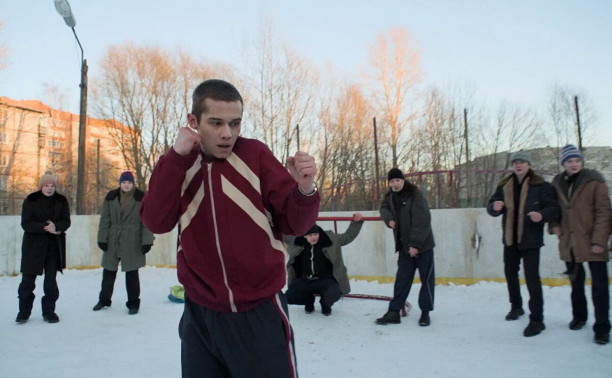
526,202
233,201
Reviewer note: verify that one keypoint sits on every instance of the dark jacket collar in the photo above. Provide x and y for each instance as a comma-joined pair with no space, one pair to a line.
138,194
407,190
535,178
38,195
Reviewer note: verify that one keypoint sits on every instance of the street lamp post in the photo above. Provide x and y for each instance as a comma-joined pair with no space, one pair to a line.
64,10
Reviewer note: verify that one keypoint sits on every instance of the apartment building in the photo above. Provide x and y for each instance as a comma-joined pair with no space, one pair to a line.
35,138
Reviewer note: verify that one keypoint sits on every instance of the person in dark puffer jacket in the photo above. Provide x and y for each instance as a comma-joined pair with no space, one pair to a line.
405,210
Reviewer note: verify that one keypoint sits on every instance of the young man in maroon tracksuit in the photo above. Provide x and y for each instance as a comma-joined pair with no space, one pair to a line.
232,200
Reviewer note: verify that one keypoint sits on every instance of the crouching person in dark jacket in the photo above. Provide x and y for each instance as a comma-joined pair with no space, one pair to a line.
405,210
45,218
316,266
583,230
526,202
122,237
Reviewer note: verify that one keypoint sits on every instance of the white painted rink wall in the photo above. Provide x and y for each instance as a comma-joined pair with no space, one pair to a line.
468,245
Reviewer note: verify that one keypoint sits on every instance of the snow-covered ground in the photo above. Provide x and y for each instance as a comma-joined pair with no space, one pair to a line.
468,336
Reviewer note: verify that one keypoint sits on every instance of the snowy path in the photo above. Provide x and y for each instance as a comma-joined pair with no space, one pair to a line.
468,337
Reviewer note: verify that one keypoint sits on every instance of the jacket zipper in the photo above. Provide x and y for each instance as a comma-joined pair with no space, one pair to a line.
214,216
312,260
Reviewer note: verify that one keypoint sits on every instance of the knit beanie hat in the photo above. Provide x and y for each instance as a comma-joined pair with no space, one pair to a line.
126,176
47,178
395,173
570,151
521,155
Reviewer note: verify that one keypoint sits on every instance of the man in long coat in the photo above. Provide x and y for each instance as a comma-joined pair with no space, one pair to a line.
583,230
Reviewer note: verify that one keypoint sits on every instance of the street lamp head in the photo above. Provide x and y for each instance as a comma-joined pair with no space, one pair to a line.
63,8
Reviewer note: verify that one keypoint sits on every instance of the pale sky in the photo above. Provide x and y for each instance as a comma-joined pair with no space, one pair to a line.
504,50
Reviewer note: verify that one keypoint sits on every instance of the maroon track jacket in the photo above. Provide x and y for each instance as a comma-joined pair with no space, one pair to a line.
231,214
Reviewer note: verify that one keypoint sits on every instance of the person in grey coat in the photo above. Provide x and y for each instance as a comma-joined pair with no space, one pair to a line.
316,266
123,238
405,210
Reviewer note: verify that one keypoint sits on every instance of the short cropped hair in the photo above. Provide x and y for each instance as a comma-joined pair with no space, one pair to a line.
215,89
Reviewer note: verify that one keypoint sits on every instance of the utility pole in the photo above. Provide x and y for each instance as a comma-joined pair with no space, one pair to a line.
377,187
468,174
64,10
578,123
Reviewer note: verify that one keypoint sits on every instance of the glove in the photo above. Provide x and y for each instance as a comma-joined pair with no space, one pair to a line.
146,248
103,246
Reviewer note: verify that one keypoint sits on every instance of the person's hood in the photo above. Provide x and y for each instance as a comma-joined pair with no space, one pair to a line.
324,240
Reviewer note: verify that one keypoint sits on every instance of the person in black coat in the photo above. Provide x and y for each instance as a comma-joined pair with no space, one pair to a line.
526,202
405,210
45,218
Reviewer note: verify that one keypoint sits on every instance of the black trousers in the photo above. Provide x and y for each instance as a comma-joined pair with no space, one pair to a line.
28,284
132,284
531,266
254,343
301,291
599,293
406,269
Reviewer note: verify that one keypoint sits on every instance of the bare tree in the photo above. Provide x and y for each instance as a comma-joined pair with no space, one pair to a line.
346,153
4,48
281,90
395,69
147,89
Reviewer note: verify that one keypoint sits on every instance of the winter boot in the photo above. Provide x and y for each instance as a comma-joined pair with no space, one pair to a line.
100,305
391,317
424,321
515,313
51,317
133,311
309,304
576,324
326,310
602,338
534,328
309,308
22,317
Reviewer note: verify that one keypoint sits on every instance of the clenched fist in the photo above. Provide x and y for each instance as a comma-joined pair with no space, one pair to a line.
303,169
186,140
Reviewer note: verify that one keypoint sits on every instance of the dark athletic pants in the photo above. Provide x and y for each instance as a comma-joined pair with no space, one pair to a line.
302,290
28,284
406,268
531,265
599,293
132,284
254,343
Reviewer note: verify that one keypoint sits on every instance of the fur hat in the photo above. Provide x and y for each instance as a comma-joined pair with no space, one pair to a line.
126,176
47,178
521,155
570,151
395,173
